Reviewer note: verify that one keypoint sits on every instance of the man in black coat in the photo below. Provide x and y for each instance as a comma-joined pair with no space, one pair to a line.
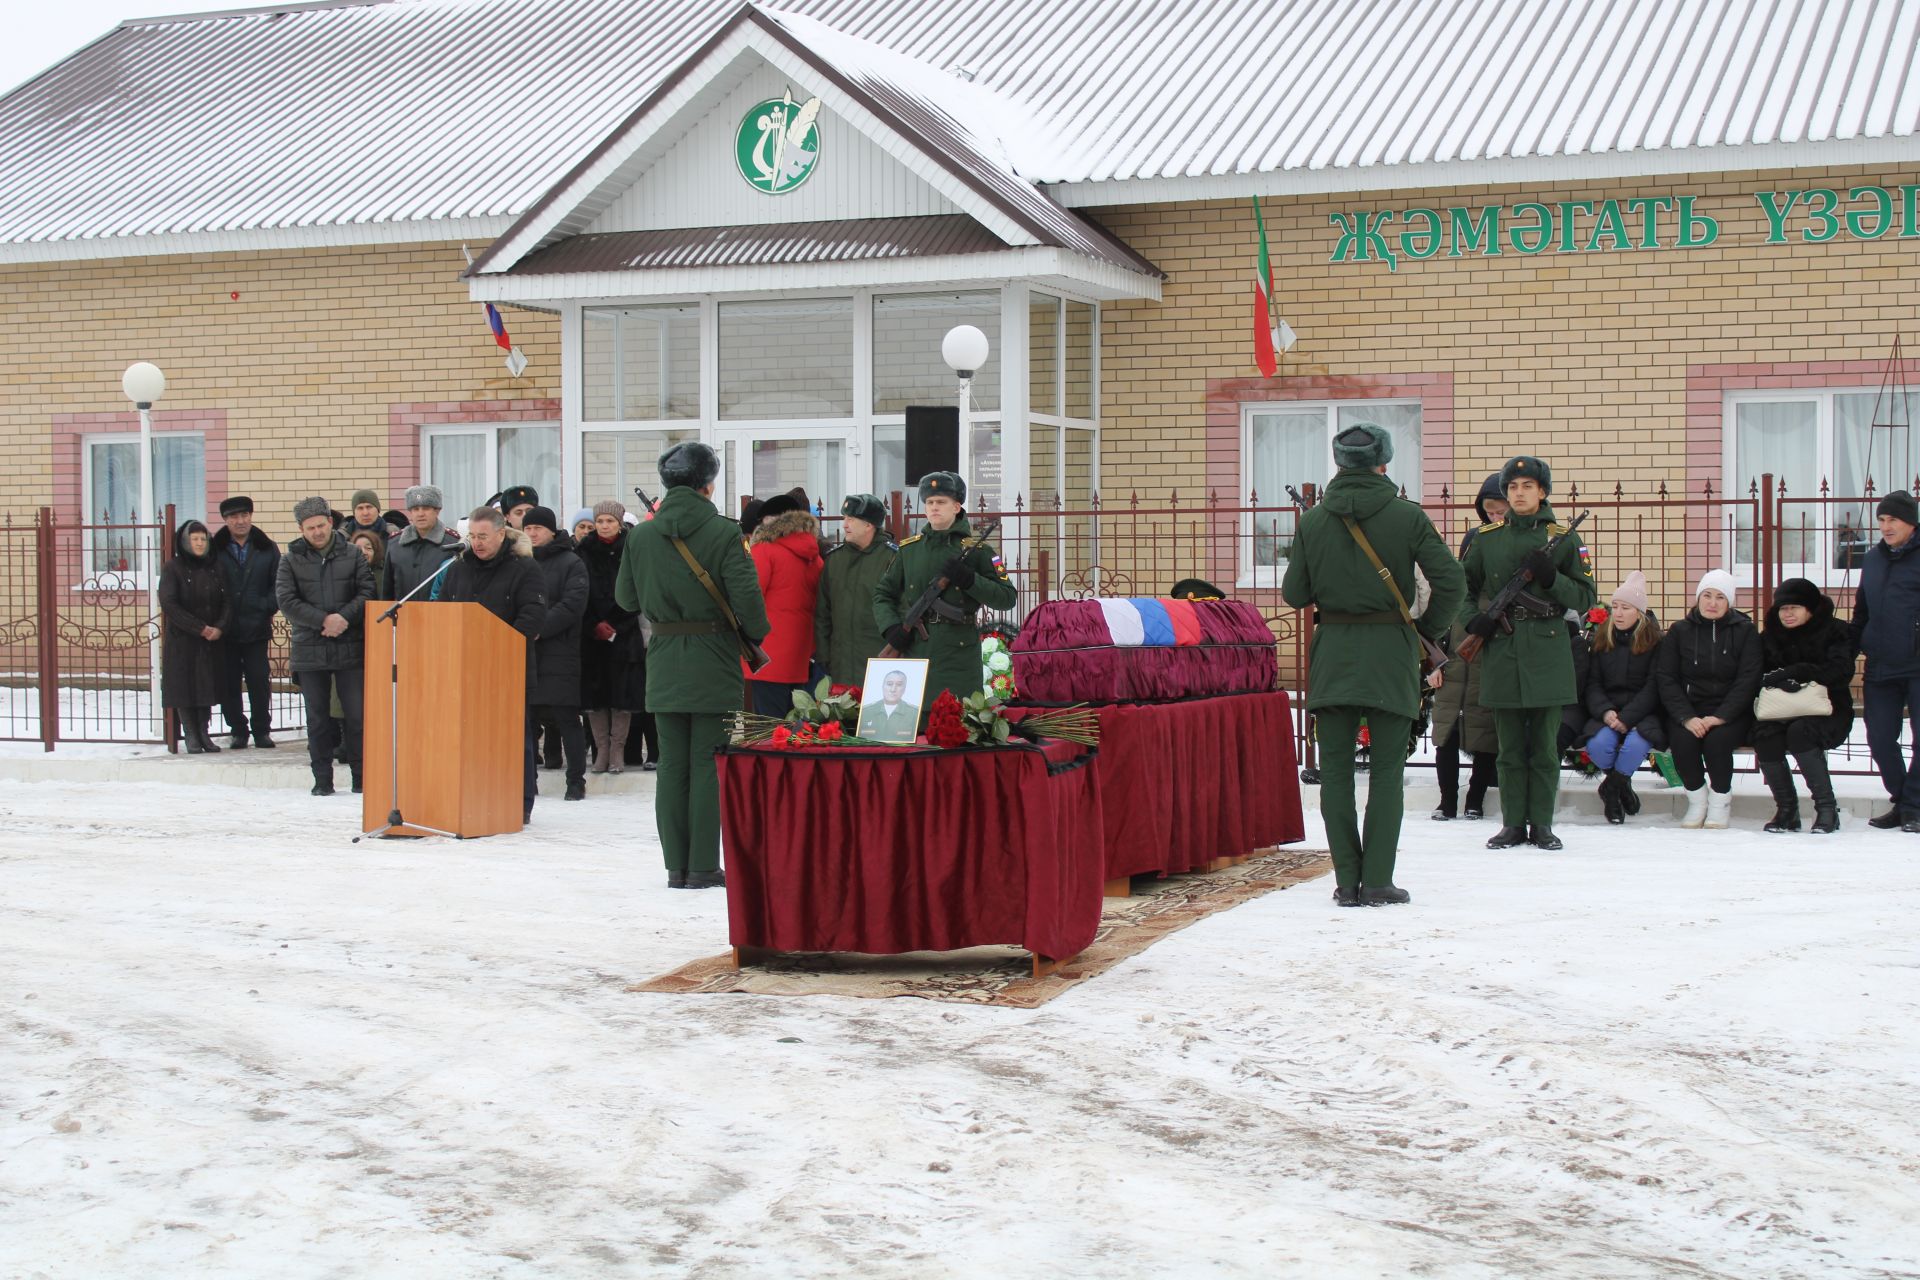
553,700
250,563
497,572
323,585
1886,629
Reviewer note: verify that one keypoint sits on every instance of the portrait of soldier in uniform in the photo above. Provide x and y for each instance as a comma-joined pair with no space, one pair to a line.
890,700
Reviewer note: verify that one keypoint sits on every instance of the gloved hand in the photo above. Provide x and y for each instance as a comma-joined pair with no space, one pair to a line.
957,573
603,631
1482,625
1540,565
899,638
1775,679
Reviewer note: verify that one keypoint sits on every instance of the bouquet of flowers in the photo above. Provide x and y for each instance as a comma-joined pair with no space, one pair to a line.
996,665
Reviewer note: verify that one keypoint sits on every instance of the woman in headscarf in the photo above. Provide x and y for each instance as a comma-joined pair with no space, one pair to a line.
193,601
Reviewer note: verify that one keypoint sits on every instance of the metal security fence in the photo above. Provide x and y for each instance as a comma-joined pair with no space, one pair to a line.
77,635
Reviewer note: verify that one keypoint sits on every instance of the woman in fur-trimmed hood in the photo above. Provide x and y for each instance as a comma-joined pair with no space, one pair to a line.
786,555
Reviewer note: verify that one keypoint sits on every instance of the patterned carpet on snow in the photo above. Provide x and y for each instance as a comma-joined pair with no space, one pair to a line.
1003,975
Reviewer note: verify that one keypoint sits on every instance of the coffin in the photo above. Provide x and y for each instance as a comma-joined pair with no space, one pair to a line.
1142,650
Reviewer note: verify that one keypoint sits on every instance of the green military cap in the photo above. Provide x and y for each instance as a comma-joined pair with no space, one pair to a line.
1527,468
864,506
943,484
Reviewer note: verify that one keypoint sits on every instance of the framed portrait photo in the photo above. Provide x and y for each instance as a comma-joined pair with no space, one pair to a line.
890,699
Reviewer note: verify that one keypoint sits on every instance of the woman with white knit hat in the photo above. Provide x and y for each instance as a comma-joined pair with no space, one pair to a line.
1708,672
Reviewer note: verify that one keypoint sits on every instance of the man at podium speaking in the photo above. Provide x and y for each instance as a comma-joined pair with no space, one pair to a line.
497,572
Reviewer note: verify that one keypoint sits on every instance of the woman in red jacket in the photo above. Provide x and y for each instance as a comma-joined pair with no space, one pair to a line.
786,551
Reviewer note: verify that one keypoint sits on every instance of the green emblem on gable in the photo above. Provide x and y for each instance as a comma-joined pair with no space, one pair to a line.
778,143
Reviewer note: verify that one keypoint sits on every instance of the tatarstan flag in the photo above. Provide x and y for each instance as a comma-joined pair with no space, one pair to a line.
1263,303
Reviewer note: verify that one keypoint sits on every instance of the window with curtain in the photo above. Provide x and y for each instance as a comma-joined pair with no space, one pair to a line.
113,491
1292,444
470,465
1781,438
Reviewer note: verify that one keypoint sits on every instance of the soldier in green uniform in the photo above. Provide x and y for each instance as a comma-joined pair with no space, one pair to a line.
1528,675
844,634
975,580
694,681
1365,659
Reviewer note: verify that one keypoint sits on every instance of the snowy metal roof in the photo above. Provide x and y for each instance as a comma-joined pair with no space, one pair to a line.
854,240
414,119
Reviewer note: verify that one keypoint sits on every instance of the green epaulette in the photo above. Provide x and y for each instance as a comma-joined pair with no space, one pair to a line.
1555,530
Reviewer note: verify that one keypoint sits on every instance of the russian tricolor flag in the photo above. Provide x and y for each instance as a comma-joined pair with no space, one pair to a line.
500,338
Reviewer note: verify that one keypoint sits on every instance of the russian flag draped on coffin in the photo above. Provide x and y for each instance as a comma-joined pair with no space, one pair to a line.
1142,649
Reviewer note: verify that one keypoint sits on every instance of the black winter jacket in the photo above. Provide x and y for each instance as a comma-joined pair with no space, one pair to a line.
193,595
1886,611
557,652
613,673
314,583
250,587
1820,649
507,586
1709,668
1621,681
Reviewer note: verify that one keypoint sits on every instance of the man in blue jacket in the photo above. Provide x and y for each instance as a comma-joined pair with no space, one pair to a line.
1886,628
250,562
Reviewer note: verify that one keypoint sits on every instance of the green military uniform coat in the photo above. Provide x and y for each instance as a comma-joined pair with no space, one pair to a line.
1528,676
844,634
953,651
1365,661
694,681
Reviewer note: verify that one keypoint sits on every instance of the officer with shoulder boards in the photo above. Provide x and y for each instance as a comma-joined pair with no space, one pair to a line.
1528,678
1354,558
975,579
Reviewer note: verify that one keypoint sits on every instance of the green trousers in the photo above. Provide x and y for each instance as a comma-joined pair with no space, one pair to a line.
1357,859
1529,764
686,793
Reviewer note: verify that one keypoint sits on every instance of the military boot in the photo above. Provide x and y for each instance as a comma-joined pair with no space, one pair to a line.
1507,838
1349,897
1541,836
1385,895
1786,804
1826,810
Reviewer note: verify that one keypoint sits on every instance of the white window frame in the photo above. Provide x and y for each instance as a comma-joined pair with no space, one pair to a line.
1250,575
491,430
134,579
1821,570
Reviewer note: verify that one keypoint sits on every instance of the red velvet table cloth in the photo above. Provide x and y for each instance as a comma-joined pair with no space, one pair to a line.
1183,783
884,851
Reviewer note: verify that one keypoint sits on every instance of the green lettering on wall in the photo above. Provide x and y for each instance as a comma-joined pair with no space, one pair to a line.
1649,207
1910,211
1608,223
1567,208
1481,233
1541,232
1826,223
1697,230
1776,213
1429,238
1882,212
1349,238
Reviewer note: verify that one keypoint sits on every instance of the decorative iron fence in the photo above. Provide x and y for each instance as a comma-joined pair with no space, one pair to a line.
78,636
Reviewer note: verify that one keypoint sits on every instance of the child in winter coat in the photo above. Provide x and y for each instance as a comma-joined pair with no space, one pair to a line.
1621,698
1802,644
1708,671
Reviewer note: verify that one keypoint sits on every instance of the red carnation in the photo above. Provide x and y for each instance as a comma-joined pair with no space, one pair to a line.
780,735
1599,614
830,731
944,726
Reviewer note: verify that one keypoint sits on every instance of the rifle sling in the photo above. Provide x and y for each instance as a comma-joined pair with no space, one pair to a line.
713,588
1386,576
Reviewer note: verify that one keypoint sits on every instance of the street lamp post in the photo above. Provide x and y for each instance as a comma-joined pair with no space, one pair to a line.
143,383
965,350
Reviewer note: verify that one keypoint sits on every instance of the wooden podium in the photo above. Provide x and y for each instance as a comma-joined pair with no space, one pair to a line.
460,669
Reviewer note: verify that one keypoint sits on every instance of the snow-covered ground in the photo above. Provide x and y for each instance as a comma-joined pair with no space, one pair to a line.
239,1045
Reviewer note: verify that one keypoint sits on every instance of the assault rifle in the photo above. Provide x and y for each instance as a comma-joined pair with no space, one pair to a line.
1522,579
645,501
915,618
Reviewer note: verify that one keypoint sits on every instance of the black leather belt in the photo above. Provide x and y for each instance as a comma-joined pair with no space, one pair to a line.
689,628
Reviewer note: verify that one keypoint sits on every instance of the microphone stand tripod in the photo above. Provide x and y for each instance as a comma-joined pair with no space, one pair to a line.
394,819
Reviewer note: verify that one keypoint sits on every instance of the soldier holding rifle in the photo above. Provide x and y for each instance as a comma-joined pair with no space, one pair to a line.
1528,678
969,577
1354,558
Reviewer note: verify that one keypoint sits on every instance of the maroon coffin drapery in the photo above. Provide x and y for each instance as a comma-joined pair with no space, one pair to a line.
1183,783
912,850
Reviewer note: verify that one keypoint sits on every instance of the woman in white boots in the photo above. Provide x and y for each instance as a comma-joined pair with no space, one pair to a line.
1708,671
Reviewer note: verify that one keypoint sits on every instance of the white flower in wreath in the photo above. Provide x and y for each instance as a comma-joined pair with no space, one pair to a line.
992,645
999,663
